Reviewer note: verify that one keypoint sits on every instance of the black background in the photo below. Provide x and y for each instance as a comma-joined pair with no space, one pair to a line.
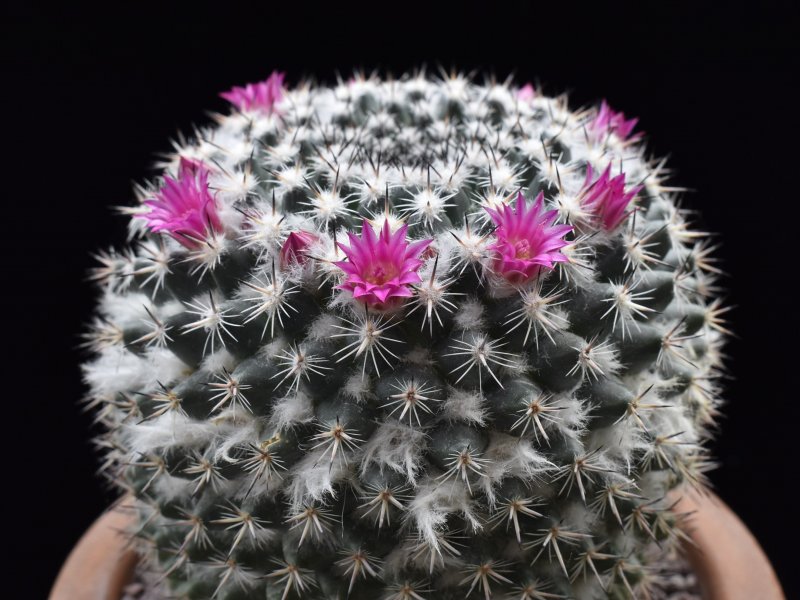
90,97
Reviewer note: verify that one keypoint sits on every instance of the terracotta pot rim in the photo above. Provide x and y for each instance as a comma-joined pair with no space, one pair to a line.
725,556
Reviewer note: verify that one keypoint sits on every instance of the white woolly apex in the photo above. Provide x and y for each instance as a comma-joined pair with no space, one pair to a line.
229,150
264,227
228,186
378,220
262,124
502,176
501,94
373,185
130,307
327,205
381,123
288,178
534,148
450,175
283,154
426,206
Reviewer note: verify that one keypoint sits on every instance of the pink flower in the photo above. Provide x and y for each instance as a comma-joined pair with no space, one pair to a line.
184,208
526,93
606,197
191,165
257,96
295,246
380,269
527,240
608,121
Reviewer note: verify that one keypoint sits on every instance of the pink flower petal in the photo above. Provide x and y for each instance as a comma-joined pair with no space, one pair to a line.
525,239
381,268
184,207
257,96
606,199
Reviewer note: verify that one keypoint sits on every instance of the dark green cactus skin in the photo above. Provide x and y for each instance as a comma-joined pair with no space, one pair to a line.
544,468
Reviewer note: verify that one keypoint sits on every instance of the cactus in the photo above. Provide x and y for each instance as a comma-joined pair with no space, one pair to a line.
404,339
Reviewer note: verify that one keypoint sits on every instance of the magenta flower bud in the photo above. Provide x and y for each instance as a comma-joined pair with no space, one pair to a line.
191,166
609,121
295,247
606,198
184,207
527,241
526,93
381,269
262,96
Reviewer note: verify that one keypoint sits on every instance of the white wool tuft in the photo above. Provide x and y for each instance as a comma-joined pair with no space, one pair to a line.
577,516
620,442
435,500
466,406
247,430
396,447
312,478
130,308
219,360
469,316
272,348
172,488
291,411
509,455
118,370
323,327
571,415
170,429
419,355
356,387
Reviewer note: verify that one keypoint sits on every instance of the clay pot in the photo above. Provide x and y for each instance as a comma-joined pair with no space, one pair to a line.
102,563
726,557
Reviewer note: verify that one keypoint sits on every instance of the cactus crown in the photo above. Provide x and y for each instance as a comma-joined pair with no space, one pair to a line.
407,339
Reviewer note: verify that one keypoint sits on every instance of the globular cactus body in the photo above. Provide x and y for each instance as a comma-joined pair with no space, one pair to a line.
404,339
